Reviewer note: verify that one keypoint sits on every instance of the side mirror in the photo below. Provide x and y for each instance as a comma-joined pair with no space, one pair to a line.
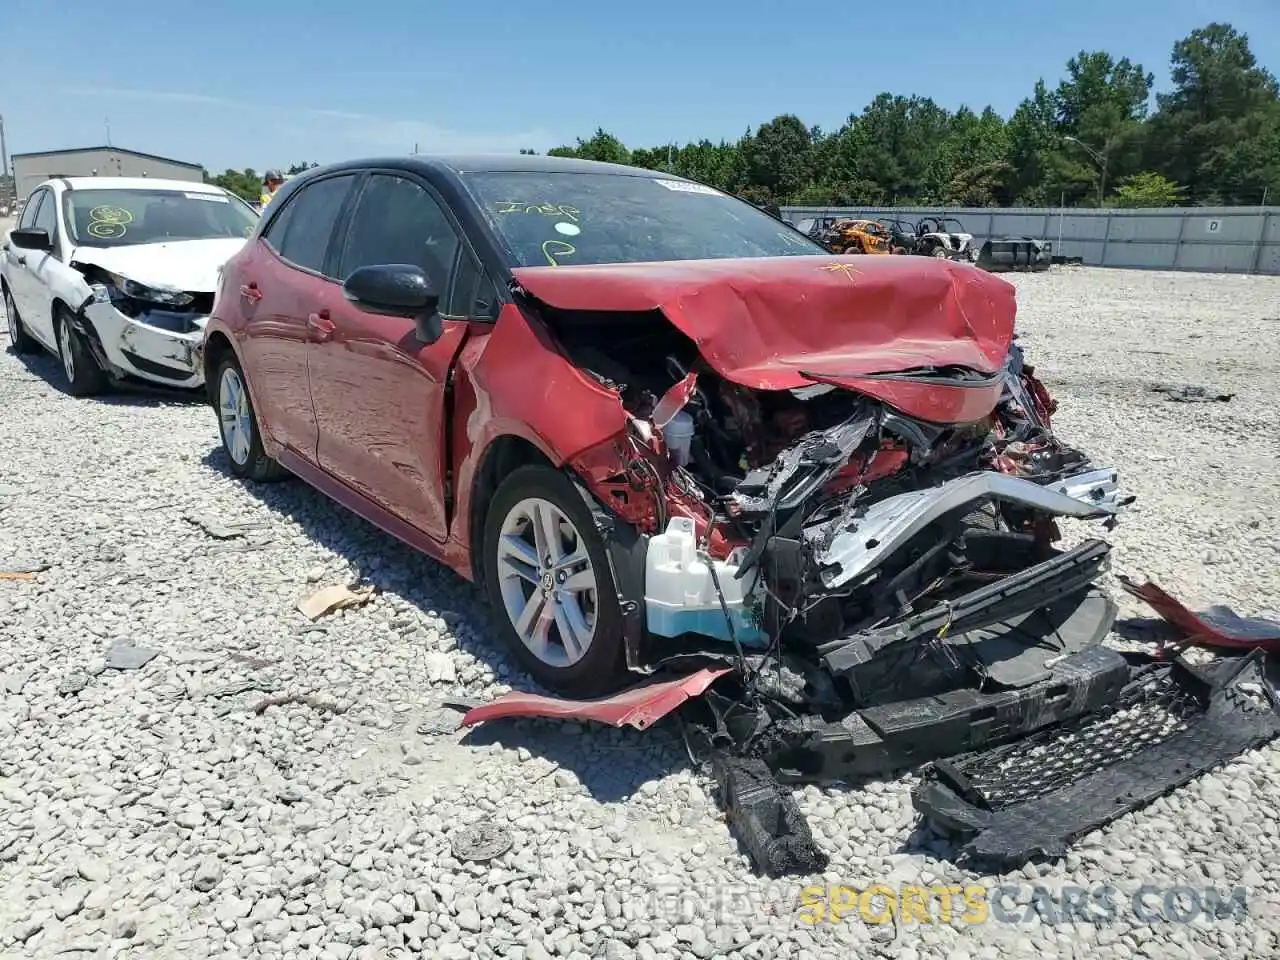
31,238
397,290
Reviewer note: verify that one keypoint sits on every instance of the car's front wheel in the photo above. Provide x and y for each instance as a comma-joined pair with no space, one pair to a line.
84,377
549,581
19,340
238,426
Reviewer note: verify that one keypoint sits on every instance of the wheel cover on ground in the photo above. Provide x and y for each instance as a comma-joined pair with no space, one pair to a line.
65,345
234,417
547,581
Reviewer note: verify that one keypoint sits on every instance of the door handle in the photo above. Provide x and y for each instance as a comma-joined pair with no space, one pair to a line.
250,291
22,261
320,325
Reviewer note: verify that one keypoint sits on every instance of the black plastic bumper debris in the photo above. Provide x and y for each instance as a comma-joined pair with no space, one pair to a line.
1033,798
879,740
766,819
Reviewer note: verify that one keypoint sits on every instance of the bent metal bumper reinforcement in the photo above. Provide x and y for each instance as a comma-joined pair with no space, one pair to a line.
1031,799
888,524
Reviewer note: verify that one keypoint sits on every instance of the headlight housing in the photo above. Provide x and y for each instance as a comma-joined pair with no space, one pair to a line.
124,287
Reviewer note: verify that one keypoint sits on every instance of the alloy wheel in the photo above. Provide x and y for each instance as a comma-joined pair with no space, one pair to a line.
11,315
547,582
234,417
65,343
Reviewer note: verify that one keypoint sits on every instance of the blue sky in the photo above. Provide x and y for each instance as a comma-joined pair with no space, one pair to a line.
255,84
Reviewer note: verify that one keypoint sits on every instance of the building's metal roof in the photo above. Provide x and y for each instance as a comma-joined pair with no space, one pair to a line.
105,149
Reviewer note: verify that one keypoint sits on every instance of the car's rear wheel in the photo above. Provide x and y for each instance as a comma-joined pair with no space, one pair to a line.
84,377
238,427
548,579
19,340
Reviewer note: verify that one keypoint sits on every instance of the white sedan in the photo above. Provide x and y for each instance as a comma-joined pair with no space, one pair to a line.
116,276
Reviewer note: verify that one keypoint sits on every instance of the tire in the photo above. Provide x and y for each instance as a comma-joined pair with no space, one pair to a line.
84,377
20,341
598,665
938,252
238,426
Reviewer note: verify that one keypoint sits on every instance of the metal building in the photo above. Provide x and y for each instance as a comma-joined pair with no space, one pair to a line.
32,169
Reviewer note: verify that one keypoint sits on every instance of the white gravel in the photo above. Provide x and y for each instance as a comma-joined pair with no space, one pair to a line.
153,813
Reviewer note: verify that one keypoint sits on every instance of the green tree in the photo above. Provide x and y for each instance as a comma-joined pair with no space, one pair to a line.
1218,130
602,146
245,183
1147,189
1213,137
779,158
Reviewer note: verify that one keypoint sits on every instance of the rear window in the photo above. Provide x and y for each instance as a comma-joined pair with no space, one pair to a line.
121,218
553,219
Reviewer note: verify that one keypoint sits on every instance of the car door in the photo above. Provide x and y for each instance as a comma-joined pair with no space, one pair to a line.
378,390
48,272
25,268
280,285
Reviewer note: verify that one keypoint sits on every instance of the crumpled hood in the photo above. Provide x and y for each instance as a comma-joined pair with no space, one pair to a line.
784,322
190,265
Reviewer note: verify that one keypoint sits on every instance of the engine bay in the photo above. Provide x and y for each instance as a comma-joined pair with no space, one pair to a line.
762,506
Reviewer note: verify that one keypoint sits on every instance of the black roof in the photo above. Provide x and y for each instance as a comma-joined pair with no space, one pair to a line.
502,163
106,149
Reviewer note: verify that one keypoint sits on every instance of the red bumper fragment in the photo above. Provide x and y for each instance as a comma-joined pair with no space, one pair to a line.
1218,626
640,707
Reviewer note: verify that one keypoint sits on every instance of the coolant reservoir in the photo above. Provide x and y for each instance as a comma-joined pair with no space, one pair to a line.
680,594
678,436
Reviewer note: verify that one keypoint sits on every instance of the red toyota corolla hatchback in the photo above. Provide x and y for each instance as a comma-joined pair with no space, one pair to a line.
624,402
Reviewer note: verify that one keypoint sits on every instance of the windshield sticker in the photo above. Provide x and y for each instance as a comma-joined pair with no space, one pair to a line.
679,186
211,197
108,223
568,229
557,248
545,209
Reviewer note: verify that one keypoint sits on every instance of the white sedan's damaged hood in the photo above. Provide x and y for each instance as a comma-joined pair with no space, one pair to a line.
190,265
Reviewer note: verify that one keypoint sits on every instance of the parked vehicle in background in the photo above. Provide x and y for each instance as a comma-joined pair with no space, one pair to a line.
638,410
115,276
815,227
945,237
856,236
902,235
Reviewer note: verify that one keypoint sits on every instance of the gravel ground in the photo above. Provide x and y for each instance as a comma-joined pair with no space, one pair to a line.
156,813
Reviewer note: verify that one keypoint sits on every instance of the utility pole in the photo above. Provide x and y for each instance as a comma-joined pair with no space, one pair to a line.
107,123
1100,160
4,149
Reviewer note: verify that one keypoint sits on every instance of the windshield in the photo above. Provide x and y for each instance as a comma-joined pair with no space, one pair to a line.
577,218
121,218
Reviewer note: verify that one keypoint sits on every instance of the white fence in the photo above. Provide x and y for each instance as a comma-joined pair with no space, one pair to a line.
1218,239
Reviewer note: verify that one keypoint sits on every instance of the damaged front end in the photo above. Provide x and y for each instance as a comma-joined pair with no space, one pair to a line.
815,529
861,562
150,333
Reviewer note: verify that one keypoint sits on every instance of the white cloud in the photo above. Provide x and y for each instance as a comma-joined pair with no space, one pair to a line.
156,95
402,135
365,130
